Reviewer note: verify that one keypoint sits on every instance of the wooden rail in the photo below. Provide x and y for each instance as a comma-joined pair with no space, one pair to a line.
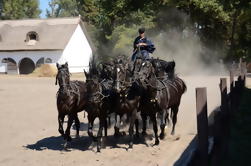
222,119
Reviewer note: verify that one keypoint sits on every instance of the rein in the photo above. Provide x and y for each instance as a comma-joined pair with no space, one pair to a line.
99,93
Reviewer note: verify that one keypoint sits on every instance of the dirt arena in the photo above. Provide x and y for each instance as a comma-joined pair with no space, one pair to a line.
29,126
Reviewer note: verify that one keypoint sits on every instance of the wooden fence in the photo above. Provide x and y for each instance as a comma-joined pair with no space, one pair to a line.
220,129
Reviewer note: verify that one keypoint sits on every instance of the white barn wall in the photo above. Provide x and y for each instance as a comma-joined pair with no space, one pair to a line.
33,55
77,52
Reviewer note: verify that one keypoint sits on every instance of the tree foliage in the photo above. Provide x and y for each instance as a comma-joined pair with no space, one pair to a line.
18,9
62,8
224,24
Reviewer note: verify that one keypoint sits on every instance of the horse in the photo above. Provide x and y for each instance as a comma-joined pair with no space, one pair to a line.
71,99
127,100
163,68
159,96
99,105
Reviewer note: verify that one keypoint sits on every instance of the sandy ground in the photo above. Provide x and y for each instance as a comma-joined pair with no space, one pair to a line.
29,125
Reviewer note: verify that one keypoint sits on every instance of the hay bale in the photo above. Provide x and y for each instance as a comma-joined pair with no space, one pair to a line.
45,70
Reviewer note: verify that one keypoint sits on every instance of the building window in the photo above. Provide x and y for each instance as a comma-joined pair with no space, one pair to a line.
31,38
40,62
48,60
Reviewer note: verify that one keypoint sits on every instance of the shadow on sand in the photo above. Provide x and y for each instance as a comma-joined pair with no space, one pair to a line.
84,143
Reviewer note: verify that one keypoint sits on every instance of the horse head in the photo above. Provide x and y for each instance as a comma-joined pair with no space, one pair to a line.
121,76
146,73
106,71
63,75
159,72
94,89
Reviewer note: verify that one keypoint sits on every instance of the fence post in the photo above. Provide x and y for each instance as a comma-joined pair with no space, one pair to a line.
202,125
240,66
223,89
243,73
231,80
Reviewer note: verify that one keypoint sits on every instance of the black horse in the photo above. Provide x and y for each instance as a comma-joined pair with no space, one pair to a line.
71,99
159,96
163,69
127,99
100,104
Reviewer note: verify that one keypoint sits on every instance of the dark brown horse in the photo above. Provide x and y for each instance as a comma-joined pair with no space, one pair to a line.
163,69
98,106
71,99
127,99
159,96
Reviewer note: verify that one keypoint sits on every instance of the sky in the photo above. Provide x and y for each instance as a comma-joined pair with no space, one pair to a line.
43,5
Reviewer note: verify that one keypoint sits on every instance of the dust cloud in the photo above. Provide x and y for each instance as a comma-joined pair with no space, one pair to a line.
185,48
180,41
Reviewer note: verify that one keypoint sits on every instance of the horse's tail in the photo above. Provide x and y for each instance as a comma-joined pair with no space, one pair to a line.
184,87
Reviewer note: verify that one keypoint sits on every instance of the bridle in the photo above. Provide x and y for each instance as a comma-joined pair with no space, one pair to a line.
64,72
97,96
67,88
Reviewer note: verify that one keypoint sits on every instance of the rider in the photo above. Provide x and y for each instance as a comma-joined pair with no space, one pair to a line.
142,46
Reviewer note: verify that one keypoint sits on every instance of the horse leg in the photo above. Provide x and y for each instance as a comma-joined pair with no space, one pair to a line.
90,127
109,120
155,128
67,136
162,123
174,118
137,127
132,122
60,124
77,124
99,135
105,126
144,119
117,125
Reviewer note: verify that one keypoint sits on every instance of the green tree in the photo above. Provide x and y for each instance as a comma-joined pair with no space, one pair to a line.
223,24
62,8
17,9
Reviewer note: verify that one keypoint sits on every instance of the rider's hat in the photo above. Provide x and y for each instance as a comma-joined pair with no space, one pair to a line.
141,30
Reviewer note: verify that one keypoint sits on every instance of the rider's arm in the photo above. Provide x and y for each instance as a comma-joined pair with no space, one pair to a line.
142,44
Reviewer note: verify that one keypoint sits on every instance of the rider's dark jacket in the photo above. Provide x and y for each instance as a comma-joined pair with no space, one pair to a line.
142,50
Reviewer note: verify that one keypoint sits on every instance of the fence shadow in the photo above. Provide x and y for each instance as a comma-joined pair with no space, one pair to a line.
187,157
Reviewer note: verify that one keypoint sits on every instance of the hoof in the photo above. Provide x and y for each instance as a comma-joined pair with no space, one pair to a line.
162,136
119,134
156,142
143,133
172,133
61,132
130,145
66,145
136,135
69,139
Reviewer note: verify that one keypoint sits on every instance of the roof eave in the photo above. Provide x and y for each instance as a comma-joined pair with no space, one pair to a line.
16,50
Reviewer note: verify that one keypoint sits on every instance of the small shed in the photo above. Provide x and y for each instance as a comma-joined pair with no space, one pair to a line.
26,44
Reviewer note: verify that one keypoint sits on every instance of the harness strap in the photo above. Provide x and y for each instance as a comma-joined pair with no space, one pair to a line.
73,89
167,91
171,84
